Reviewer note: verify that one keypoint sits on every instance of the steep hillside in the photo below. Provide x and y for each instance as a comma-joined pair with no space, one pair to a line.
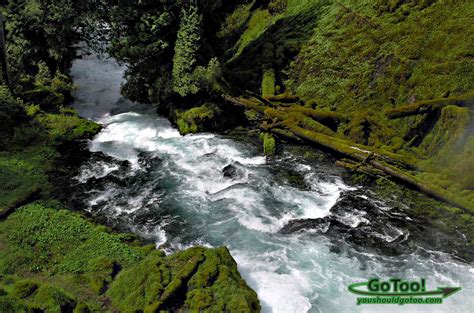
393,77
400,71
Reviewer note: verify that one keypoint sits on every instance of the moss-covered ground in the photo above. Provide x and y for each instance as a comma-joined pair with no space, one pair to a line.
399,73
54,260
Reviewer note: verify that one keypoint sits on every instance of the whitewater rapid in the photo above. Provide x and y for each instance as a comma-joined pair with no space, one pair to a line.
171,189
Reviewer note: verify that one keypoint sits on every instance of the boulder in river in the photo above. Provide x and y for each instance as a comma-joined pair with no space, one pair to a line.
230,171
364,222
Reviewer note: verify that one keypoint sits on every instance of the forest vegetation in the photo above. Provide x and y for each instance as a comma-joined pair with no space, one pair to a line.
385,85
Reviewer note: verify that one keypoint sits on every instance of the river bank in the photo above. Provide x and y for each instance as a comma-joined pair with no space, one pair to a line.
54,260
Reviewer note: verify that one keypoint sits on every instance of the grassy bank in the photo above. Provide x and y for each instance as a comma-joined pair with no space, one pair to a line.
56,261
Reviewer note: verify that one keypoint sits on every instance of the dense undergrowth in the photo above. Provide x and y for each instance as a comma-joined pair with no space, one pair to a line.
55,261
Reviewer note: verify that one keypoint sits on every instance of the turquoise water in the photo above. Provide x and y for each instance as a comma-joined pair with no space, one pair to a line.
172,191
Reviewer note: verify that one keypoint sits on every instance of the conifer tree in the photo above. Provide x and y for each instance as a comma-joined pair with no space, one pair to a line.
186,51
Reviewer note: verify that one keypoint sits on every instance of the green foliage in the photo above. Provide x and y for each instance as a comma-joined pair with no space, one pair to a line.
186,50
257,25
12,115
67,126
198,119
66,243
41,32
11,304
24,288
74,257
268,83
22,172
357,58
277,6
269,144
48,91
208,277
209,78
235,20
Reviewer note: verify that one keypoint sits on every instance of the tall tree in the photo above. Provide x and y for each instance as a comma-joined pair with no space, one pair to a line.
186,51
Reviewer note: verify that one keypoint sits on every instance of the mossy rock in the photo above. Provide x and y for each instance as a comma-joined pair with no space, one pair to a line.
198,119
25,288
52,299
197,279
269,144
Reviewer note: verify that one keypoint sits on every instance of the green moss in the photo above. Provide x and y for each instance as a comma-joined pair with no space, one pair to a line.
198,119
428,106
67,126
269,144
11,304
358,58
194,279
306,122
22,172
24,289
268,83
53,299
100,273
236,20
70,259
257,24
66,243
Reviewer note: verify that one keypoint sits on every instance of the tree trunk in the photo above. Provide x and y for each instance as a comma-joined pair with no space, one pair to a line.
3,53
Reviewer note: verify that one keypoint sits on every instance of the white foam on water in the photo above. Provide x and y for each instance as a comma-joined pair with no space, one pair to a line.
291,273
97,170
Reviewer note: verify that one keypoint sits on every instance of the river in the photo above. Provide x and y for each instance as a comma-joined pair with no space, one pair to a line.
171,189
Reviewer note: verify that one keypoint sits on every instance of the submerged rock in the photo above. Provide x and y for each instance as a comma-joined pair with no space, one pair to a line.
364,222
371,224
230,171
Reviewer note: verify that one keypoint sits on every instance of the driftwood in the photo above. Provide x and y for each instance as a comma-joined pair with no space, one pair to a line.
320,115
428,106
286,134
360,167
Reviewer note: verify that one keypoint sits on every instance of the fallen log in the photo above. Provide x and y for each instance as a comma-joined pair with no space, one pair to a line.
286,134
360,168
245,103
309,123
260,98
283,98
367,159
365,156
320,115
428,106
285,116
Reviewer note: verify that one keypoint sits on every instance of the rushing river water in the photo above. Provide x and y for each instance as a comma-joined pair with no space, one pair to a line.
171,189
